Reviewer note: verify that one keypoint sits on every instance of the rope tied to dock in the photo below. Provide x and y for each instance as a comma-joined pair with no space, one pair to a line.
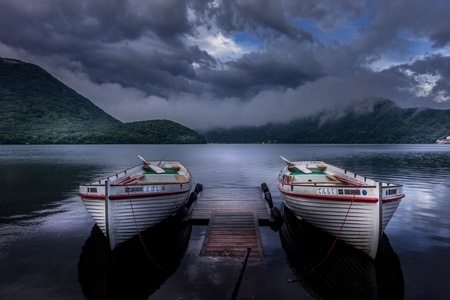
357,186
140,236
273,181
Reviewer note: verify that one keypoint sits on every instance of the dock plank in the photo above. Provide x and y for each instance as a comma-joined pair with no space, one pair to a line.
231,200
233,216
223,238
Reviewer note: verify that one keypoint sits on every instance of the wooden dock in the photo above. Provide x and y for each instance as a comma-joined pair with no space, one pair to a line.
233,216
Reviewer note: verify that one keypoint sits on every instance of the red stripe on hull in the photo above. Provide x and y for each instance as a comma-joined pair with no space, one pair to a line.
391,199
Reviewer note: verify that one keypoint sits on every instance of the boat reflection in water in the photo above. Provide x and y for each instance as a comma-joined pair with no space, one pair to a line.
329,270
136,268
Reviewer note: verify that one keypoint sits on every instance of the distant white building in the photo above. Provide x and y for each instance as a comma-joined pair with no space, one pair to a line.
444,141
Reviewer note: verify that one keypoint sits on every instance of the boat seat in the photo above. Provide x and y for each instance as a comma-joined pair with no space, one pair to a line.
316,182
181,178
123,180
135,179
130,179
333,178
321,166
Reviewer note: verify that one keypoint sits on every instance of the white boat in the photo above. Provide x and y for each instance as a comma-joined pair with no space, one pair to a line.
137,198
444,141
346,205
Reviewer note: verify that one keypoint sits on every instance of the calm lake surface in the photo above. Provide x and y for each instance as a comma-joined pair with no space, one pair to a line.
50,248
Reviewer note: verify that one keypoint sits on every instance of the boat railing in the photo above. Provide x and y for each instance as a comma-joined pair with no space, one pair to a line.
390,184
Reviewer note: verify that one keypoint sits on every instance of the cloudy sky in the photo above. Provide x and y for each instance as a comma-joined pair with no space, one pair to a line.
235,62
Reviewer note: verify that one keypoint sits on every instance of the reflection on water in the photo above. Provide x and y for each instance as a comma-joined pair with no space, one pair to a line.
136,268
30,190
346,273
43,224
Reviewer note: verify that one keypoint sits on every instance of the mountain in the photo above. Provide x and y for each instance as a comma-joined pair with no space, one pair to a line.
36,108
378,121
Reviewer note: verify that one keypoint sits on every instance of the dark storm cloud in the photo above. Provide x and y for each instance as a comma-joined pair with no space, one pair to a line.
99,20
154,71
256,72
396,21
328,13
259,16
100,35
436,67
228,58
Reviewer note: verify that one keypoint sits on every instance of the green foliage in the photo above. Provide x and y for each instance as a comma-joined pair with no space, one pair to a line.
35,108
385,124
155,132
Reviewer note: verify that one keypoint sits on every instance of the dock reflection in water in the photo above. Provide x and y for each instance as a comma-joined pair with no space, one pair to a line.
136,268
345,273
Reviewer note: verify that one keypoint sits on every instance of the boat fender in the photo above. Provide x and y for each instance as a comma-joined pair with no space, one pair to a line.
198,188
268,198
182,212
277,217
192,198
264,187
275,213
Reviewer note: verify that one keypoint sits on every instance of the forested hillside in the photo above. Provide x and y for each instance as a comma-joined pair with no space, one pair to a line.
385,123
36,108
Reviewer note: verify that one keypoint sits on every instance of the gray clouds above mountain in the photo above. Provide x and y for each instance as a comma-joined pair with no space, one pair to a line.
242,62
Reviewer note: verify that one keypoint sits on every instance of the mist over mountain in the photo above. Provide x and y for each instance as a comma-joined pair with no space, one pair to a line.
376,121
36,108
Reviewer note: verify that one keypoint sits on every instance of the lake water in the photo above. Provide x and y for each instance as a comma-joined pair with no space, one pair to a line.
50,248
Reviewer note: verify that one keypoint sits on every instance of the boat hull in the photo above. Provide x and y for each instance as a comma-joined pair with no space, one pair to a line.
121,219
344,272
360,228
354,209
134,200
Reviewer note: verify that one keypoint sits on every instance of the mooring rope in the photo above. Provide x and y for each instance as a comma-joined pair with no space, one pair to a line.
337,236
140,236
357,186
273,181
